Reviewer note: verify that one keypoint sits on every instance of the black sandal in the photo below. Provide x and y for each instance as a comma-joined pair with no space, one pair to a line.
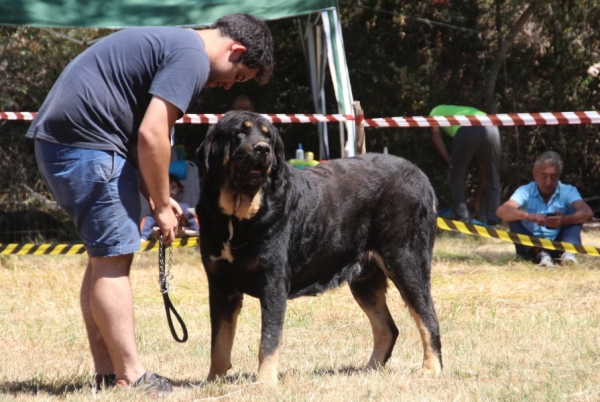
157,385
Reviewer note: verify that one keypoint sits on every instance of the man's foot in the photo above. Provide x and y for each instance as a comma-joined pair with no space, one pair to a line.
567,259
544,259
155,385
103,381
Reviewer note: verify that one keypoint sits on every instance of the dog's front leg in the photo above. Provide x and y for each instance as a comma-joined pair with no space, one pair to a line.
225,305
273,304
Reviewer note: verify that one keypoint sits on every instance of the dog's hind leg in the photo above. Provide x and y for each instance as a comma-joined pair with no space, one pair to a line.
410,273
224,310
369,292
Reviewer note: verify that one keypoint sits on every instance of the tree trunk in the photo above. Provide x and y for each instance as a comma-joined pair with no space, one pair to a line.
503,45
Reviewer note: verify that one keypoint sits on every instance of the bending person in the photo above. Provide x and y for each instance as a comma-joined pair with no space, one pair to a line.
104,134
481,142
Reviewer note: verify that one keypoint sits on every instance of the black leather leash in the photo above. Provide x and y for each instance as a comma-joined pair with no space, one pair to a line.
163,281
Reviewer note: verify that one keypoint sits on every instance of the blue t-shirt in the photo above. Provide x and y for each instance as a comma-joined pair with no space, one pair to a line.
100,98
530,200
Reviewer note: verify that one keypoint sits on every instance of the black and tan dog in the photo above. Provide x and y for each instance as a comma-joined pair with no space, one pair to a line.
274,232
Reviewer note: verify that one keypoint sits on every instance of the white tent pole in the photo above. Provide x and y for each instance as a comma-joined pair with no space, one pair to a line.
313,45
339,74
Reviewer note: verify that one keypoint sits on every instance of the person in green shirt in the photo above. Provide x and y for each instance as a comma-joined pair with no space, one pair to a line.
479,142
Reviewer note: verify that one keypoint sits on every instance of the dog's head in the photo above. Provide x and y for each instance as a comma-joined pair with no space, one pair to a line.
243,148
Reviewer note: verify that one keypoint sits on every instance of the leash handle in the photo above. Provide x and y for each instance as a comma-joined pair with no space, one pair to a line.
168,309
163,281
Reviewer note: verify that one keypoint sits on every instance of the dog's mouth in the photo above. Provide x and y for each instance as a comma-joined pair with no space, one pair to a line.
248,172
256,172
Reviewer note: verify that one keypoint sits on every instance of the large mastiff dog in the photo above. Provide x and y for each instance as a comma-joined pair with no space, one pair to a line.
276,233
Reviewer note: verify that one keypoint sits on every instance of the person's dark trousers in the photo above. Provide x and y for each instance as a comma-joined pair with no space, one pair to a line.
568,234
485,141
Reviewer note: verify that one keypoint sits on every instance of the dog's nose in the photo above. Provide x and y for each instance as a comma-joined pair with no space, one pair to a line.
262,148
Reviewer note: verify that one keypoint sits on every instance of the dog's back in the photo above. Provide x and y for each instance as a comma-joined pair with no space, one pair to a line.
347,208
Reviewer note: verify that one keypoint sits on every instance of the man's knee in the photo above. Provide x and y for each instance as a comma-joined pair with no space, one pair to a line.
116,266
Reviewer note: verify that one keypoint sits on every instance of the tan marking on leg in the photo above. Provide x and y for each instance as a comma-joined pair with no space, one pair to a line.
220,354
431,362
225,160
225,254
379,316
249,207
268,367
379,260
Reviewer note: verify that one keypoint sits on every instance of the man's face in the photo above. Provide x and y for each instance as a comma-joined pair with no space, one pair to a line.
546,178
226,71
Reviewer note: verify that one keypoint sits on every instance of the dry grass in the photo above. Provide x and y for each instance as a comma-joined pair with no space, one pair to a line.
510,331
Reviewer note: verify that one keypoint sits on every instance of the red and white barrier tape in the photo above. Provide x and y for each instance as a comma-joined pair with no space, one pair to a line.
213,118
513,119
17,115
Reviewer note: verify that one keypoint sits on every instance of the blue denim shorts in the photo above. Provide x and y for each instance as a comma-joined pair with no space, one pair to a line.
99,190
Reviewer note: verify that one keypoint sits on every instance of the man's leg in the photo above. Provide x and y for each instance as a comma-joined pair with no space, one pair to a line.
525,252
490,151
102,362
569,234
107,306
463,149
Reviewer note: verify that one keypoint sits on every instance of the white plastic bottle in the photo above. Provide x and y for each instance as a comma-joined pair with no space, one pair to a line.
299,153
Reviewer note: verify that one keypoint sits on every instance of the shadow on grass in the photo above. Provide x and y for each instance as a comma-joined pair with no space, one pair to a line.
57,387
241,378
344,370
231,379
495,258
46,386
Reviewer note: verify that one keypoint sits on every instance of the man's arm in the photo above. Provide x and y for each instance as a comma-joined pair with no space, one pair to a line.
583,213
510,212
154,156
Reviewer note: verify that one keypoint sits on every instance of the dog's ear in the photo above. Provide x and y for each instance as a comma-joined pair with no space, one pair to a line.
278,152
212,152
203,151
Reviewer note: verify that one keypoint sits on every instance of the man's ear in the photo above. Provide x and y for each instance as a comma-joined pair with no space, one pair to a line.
235,51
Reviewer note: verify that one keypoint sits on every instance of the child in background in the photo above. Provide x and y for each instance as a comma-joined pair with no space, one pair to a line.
189,224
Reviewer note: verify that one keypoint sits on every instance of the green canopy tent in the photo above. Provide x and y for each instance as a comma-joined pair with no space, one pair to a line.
318,21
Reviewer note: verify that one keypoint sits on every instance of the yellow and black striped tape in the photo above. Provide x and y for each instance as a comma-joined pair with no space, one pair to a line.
447,224
71,249
444,224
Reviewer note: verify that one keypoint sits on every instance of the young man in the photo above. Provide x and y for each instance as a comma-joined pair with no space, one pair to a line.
481,142
547,209
103,134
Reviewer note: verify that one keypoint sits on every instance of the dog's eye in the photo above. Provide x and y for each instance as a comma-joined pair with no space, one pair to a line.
241,136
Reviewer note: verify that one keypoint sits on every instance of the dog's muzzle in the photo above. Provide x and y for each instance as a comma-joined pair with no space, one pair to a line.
251,165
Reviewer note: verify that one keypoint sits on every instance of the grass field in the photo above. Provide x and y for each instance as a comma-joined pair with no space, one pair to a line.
511,331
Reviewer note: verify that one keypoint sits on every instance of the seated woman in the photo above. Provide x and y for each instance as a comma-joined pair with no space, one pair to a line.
189,223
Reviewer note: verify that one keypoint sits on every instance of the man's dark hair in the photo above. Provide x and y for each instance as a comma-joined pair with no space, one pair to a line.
254,34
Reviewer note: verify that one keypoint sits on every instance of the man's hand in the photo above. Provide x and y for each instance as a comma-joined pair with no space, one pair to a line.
539,219
554,221
168,219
